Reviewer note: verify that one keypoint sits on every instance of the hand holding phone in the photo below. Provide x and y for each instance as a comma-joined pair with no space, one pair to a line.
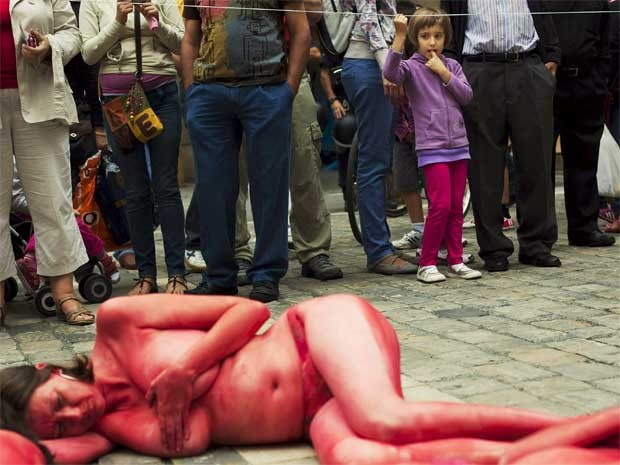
151,13
35,48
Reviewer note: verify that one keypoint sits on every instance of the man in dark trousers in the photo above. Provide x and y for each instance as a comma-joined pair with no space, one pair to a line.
579,111
509,53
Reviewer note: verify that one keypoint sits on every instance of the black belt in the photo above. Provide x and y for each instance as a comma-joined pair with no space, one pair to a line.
574,71
507,57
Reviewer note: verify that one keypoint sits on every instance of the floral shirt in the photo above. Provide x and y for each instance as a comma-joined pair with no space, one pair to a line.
375,23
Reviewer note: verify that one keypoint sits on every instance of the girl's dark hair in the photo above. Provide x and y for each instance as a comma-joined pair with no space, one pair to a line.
17,384
429,17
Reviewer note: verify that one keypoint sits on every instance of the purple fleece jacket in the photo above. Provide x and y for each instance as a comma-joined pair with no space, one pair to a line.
436,106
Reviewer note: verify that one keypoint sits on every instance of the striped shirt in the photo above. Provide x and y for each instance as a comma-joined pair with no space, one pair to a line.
498,26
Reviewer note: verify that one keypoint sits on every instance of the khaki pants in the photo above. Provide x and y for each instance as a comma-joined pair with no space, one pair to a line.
41,153
309,218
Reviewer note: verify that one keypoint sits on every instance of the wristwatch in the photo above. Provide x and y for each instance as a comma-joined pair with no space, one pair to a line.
332,100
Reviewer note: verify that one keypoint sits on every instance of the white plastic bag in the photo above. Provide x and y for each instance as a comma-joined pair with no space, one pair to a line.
608,174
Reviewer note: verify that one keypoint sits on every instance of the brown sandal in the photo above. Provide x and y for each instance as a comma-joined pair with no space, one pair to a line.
139,287
75,316
173,282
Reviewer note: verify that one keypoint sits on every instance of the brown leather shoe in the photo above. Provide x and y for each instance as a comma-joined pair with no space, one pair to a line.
392,264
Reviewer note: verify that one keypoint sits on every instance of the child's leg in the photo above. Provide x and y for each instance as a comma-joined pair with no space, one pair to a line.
454,228
413,201
30,247
437,178
92,242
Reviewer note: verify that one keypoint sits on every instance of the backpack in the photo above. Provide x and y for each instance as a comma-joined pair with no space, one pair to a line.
335,27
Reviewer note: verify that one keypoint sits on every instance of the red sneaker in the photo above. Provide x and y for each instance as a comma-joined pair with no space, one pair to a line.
508,224
109,267
27,271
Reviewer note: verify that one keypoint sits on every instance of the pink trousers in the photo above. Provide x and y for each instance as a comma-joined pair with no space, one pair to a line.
445,186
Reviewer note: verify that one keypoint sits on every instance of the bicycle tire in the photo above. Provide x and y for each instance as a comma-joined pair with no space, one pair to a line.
351,191
466,200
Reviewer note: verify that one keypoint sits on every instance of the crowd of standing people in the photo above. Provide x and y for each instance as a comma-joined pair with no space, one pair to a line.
447,94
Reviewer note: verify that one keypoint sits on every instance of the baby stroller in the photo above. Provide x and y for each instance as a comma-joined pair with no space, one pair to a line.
93,285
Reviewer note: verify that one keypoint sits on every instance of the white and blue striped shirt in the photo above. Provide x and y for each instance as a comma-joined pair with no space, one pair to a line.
498,26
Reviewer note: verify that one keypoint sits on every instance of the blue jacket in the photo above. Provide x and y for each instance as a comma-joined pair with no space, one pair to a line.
436,106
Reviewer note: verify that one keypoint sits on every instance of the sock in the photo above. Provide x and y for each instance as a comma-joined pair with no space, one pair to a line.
457,267
418,227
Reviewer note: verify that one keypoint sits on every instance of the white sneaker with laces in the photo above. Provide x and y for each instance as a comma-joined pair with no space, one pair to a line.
194,260
460,270
430,274
411,240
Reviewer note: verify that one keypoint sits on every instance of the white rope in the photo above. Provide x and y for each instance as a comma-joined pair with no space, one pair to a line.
284,10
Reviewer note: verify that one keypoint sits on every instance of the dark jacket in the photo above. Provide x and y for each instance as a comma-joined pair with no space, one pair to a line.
584,39
548,46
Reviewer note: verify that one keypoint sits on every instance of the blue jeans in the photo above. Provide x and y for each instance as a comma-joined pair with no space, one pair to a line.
217,117
163,189
363,84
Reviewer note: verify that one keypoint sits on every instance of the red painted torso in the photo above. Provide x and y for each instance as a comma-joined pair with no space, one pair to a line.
254,396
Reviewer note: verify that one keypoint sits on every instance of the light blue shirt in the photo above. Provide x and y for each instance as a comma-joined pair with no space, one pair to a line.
498,26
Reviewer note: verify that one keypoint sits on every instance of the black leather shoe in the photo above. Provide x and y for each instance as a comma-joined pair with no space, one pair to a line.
594,239
321,268
242,273
205,289
544,260
496,264
265,291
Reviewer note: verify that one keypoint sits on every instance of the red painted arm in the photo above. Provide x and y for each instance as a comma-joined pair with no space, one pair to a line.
78,449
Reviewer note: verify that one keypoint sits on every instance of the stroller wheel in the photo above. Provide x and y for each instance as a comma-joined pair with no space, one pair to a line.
10,289
44,301
95,288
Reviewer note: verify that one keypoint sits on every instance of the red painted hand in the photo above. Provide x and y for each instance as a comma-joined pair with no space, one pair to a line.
170,395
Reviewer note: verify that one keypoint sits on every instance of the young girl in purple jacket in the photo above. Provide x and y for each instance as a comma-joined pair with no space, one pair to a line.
436,88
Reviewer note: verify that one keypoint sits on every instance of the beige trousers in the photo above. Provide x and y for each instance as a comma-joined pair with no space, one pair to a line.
41,153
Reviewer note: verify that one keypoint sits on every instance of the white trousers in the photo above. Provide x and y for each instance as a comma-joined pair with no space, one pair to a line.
41,153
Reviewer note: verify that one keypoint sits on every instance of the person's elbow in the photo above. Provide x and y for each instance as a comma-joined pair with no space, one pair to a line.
89,56
468,96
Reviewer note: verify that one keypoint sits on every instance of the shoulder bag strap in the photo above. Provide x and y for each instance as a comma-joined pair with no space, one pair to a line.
138,38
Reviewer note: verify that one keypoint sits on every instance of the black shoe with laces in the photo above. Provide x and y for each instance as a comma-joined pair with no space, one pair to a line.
265,291
595,239
204,289
242,273
321,268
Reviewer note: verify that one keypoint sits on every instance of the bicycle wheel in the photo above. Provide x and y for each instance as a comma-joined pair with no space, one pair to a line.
351,191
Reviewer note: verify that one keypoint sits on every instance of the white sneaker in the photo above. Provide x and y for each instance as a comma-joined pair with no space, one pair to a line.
430,274
194,260
411,240
462,271
469,224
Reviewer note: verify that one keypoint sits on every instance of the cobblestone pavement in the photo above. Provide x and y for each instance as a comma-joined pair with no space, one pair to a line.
544,339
